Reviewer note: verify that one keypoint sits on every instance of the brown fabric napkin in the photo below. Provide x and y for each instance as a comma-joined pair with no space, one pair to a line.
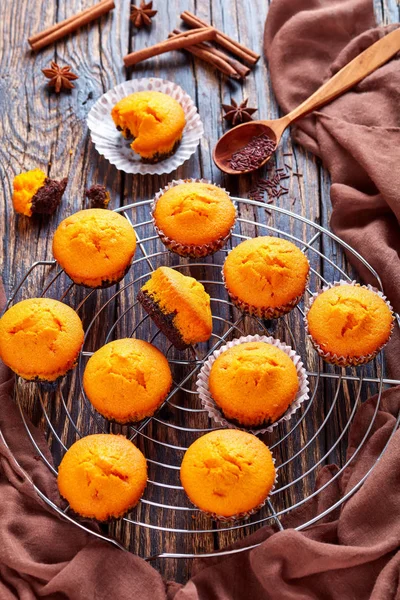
352,553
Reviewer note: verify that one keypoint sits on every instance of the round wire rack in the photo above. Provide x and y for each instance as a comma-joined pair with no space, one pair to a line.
168,525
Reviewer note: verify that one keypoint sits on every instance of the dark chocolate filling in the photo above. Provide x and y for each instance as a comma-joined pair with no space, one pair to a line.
162,320
98,196
157,157
48,197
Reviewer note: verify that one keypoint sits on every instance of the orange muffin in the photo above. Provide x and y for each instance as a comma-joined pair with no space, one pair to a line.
40,338
349,324
228,473
266,276
95,247
194,218
102,476
127,380
155,120
179,306
35,193
253,383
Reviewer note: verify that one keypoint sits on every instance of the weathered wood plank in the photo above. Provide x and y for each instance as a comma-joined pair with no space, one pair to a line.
40,129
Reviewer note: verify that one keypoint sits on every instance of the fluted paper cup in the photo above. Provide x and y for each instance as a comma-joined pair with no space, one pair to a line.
216,414
110,143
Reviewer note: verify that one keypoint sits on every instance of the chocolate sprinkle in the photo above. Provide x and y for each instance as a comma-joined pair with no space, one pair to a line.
98,196
253,154
48,197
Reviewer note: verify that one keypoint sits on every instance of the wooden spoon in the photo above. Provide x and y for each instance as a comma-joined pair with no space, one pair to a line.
361,66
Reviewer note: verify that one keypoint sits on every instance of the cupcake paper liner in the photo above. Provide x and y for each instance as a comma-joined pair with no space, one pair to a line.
190,250
244,515
346,361
214,411
263,312
110,143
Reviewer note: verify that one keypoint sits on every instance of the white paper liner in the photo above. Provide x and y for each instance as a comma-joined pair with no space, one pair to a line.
248,513
346,361
192,250
110,143
214,411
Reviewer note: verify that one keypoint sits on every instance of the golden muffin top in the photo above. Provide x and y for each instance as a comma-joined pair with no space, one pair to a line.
266,272
126,378
155,120
25,187
227,472
184,296
92,245
102,476
349,320
194,213
40,337
253,382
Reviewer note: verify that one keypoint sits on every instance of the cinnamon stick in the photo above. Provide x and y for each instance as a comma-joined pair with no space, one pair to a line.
205,53
59,30
183,40
247,55
239,67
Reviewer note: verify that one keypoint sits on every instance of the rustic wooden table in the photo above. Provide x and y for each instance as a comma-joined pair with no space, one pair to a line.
41,129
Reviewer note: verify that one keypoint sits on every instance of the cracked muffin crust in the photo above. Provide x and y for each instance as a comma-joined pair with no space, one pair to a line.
228,473
127,380
349,321
102,476
266,276
95,247
179,306
40,338
194,218
155,120
253,383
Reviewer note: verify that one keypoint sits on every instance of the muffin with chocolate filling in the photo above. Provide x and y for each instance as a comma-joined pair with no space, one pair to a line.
154,120
179,306
35,193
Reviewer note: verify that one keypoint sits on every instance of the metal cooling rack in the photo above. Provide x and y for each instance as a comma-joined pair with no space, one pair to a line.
165,517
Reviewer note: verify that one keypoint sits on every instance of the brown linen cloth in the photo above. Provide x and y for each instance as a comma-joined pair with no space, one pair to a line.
352,553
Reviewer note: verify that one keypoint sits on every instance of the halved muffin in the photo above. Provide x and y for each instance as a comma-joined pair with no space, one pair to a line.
179,306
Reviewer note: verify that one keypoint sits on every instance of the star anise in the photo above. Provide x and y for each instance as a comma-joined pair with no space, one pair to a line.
60,77
238,113
141,15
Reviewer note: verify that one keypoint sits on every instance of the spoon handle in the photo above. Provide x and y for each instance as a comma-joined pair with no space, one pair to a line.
361,66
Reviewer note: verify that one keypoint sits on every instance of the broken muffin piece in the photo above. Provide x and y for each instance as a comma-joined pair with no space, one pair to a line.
98,196
35,193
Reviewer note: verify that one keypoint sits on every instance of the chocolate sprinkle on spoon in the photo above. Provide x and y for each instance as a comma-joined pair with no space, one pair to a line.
232,153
